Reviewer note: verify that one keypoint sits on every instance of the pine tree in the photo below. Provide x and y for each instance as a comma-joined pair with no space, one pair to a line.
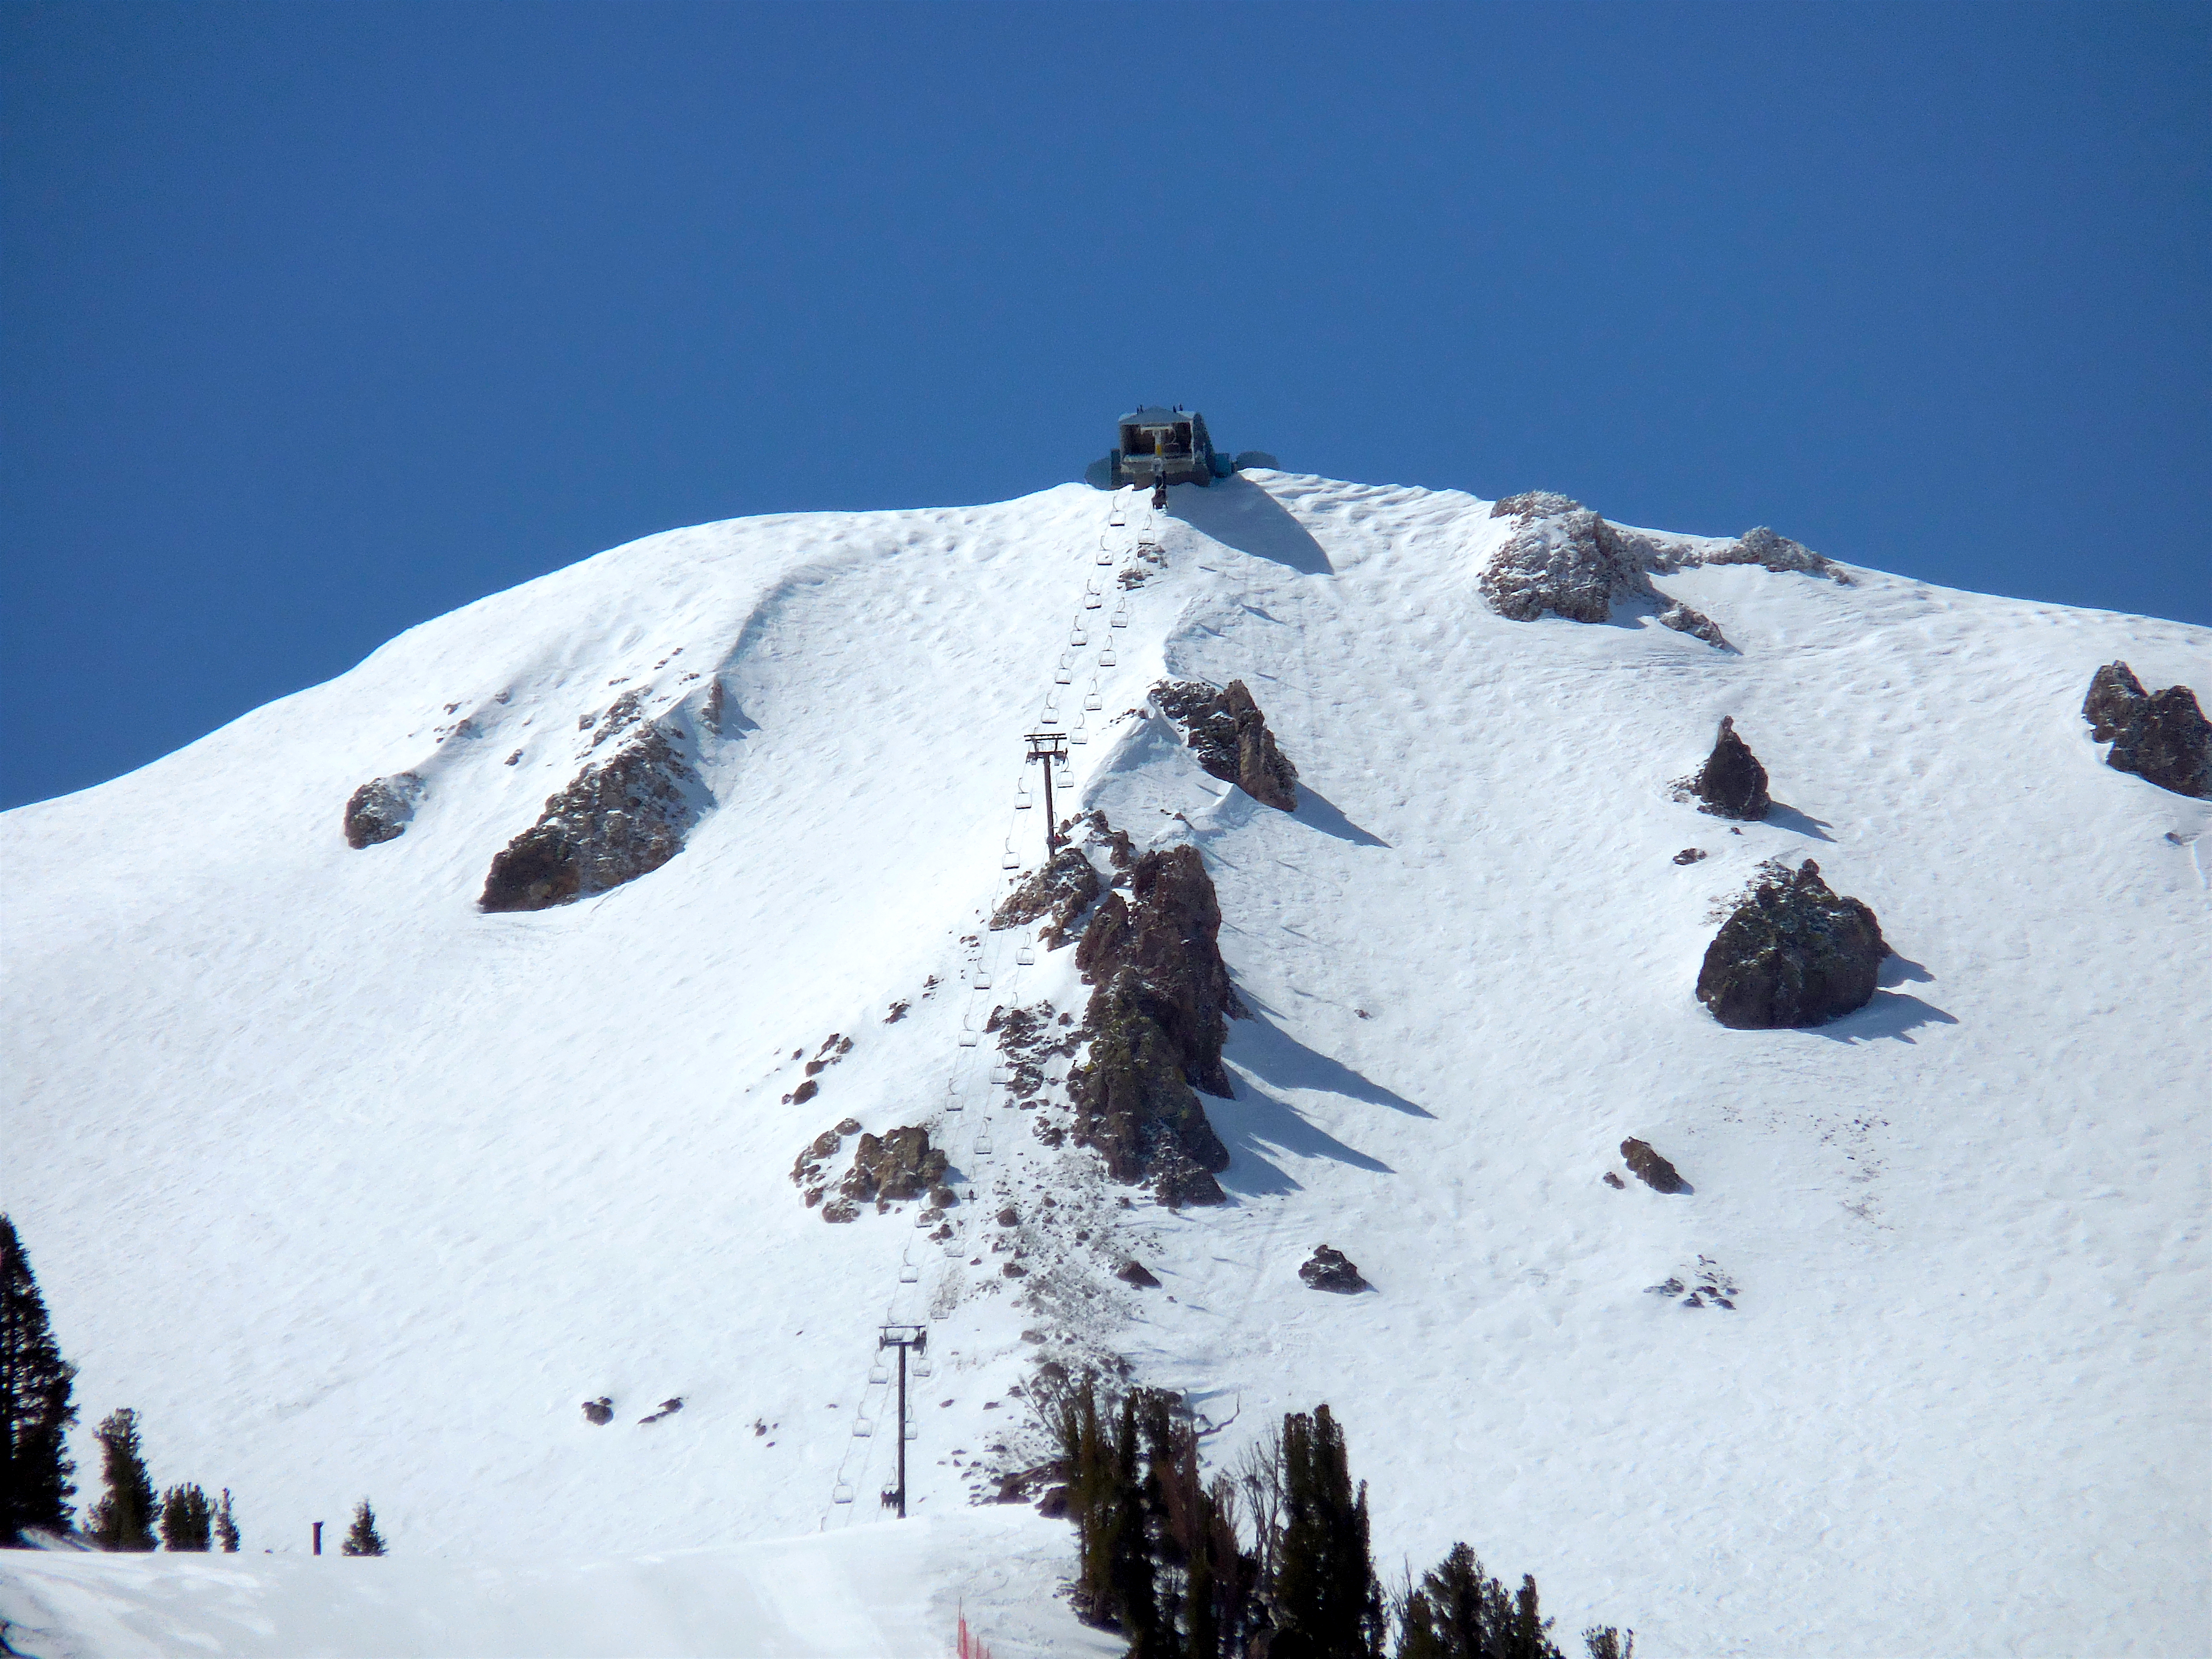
1328,1604
1604,1642
187,1517
123,1519
35,1410
1527,1636
362,1538
1458,1612
226,1525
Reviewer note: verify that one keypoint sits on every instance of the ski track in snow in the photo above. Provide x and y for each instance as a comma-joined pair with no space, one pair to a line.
351,1188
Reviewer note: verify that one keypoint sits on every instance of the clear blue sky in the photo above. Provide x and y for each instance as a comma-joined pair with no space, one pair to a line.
321,319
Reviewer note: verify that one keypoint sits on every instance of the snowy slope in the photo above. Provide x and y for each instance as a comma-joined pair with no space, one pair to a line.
351,1188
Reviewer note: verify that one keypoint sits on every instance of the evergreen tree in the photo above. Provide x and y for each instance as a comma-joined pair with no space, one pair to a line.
1328,1604
1604,1642
35,1410
226,1525
1136,1599
1457,1612
362,1538
1527,1638
123,1519
187,1517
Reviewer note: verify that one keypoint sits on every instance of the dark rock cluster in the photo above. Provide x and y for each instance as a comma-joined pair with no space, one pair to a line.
1794,953
1732,784
1706,1285
1063,890
381,808
1331,1270
1156,1021
2159,736
1229,738
1649,1168
898,1165
1031,1039
1762,547
623,817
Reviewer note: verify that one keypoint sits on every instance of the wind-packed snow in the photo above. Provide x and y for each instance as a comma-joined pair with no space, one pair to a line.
351,1188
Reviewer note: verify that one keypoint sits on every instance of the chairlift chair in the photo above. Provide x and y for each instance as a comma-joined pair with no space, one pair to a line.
1078,637
878,1374
913,1432
970,1039
1025,957
908,1274
862,1428
1120,618
1001,1076
842,1492
1092,700
1108,659
982,979
923,1368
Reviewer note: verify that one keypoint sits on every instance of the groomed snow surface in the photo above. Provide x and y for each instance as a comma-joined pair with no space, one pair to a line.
351,1188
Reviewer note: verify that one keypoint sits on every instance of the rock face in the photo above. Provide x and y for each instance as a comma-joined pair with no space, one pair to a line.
902,1165
623,817
1330,1270
1653,1170
1732,784
2159,736
1793,954
381,808
1228,737
1157,1020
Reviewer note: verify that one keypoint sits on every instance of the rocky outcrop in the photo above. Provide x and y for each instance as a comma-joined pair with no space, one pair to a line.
1732,784
1063,890
1653,1170
1156,1022
1228,737
1331,1270
381,808
1563,558
901,1164
1793,954
623,817
1556,560
1762,547
2162,737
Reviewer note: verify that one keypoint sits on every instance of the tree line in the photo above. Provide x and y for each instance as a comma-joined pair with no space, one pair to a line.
36,1413
1269,1560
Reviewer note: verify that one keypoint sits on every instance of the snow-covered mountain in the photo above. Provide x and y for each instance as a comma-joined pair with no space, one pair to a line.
352,1187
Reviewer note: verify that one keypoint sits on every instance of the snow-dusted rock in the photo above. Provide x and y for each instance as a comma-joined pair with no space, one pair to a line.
622,819
381,808
1228,737
1794,953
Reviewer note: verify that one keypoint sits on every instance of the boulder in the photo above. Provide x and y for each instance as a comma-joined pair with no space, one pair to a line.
1653,1170
1228,737
1793,954
2162,737
1732,784
1556,560
1762,547
1331,1270
1133,1272
899,1164
381,808
621,819
601,1410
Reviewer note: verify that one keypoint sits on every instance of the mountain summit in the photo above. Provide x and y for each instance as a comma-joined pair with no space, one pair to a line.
518,1077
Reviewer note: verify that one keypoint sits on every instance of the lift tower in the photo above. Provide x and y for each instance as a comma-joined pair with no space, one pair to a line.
1048,747
902,1337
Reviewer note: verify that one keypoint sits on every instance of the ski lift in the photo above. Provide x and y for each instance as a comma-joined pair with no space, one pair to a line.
1025,957
908,1274
1092,700
1061,675
1108,659
1010,860
1120,618
968,1039
862,1428
913,1432
982,979
1092,600
923,1368
983,1144
1078,735
878,1374
1001,1076
842,1492
1022,801
922,1217
1077,636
